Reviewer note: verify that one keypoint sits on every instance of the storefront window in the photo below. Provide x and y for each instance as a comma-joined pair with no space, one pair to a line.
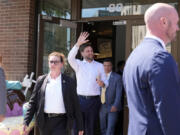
56,8
138,34
100,8
58,39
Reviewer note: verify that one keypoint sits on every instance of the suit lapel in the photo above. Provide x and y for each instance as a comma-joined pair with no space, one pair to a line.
110,79
63,82
43,89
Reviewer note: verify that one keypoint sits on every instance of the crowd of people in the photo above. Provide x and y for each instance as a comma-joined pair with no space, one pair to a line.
150,79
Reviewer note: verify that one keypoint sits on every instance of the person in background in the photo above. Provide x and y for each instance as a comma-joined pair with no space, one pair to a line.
151,77
120,67
119,125
90,78
111,100
54,101
3,92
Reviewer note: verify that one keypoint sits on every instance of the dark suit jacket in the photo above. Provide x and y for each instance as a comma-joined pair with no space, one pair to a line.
152,84
3,92
114,91
37,100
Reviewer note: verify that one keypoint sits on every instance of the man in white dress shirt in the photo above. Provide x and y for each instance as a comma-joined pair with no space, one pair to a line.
90,77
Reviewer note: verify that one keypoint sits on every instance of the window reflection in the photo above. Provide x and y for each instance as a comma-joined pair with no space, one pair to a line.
138,34
56,38
56,8
94,8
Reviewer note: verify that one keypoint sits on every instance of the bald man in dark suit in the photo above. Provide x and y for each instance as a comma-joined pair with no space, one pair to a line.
151,77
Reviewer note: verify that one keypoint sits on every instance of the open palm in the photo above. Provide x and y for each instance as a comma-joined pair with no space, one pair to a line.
83,38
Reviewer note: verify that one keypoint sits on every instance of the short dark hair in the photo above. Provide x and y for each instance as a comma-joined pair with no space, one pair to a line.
82,47
108,60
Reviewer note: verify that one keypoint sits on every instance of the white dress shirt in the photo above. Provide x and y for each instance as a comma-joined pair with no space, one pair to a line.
86,74
158,39
53,96
108,75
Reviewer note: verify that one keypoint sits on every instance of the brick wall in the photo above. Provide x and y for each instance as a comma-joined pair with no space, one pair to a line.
17,37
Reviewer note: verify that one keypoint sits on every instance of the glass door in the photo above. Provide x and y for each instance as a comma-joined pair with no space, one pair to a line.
135,32
54,34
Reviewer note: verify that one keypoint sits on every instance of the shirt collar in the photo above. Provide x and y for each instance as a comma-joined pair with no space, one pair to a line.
85,61
58,78
158,39
109,74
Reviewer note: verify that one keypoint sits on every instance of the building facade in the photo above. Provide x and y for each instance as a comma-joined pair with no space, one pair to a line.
31,29
17,28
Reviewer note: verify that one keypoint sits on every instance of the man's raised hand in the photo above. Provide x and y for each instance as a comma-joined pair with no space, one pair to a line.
82,38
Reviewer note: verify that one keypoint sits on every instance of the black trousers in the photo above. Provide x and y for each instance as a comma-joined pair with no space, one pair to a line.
55,126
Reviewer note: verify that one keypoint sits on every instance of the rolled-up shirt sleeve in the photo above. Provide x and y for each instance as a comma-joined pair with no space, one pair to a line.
72,58
3,93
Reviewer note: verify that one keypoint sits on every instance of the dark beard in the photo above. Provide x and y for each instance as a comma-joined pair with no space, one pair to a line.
89,59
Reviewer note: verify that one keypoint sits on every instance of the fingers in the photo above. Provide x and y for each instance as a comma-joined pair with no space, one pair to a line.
84,35
113,109
99,82
82,38
25,128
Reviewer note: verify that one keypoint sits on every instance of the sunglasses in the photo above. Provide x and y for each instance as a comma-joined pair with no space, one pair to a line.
54,62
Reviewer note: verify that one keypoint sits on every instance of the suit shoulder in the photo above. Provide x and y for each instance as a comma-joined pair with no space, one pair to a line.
116,75
42,77
70,83
162,56
162,61
69,79
162,53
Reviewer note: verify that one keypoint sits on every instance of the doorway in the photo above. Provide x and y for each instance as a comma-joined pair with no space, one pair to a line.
116,40
108,40
113,39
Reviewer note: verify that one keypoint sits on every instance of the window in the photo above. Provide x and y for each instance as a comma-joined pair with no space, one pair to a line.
56,8
100,8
